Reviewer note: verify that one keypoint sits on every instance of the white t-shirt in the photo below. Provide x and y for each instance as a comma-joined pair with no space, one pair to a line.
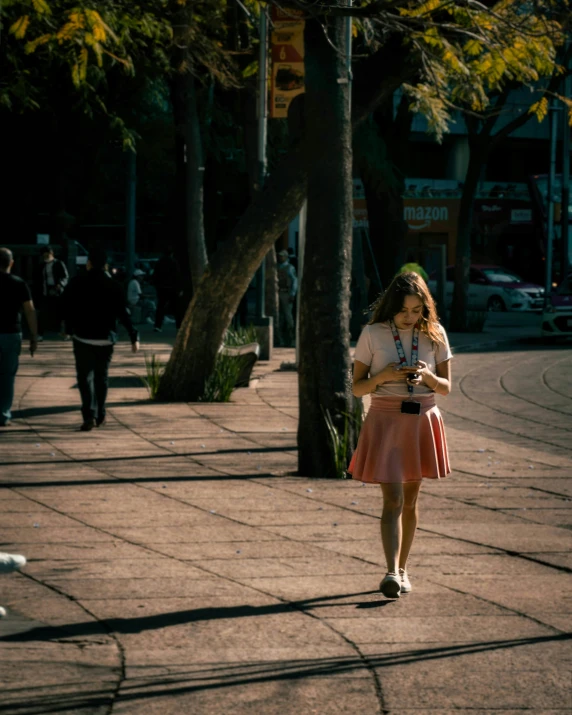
133,292
376,349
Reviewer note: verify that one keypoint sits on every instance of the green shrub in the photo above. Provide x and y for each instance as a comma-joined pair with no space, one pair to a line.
339,441
234,337
227,369
153,373
221,382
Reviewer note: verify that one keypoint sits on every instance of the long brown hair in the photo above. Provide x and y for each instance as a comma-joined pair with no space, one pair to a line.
391,302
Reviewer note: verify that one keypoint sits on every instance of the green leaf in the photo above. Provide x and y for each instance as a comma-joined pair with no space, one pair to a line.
41,7
18,28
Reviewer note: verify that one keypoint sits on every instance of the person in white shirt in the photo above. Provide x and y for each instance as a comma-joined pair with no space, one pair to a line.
403,359
134,290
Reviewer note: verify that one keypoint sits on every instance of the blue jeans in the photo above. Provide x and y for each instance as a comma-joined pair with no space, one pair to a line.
10,347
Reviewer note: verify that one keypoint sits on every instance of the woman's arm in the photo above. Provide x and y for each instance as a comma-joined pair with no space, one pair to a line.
440,381
363,385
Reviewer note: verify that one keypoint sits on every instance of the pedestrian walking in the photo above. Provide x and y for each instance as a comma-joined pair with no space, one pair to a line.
413,267
134,289
403,358
53,279
15,298
93,303
141,307
166,280
287,289
8,564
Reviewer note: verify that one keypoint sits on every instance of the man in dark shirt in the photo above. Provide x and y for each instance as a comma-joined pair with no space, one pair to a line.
54,278
92,305
15,297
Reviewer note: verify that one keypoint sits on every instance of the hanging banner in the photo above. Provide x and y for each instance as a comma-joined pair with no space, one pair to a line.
287,53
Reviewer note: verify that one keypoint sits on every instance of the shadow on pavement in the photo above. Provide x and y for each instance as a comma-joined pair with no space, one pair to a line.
62,409
177,618
138,480
228,675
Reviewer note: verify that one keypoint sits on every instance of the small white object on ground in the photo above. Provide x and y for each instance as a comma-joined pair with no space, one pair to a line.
11,562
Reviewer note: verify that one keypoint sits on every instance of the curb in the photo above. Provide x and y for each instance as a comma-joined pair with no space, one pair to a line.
483,345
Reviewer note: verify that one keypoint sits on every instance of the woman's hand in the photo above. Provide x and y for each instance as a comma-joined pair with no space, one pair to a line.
422,374
390,373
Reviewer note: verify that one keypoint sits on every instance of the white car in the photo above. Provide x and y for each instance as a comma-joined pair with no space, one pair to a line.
494,288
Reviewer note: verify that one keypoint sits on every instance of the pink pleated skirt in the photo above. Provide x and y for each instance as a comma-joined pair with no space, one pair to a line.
394,447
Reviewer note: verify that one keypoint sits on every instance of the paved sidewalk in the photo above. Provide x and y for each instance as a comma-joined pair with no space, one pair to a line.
177,565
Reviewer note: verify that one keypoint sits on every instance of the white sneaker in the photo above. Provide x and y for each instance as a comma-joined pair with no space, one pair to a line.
2,612
390,585
405,582
11,562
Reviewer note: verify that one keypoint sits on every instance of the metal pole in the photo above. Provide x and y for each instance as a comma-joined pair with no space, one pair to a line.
565,202
262,135
349,24
441,291
262,96
130,212
301,248
550,202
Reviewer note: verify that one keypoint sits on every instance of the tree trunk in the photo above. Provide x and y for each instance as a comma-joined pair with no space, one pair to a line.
226,279
325,291
195,171
478,157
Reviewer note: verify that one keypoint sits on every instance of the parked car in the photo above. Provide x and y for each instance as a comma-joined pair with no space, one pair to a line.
557,313
494,288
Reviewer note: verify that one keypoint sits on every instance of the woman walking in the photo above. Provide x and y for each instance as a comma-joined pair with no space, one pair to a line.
403,358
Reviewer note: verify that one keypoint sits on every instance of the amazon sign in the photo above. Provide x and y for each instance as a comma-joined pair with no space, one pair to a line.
431,215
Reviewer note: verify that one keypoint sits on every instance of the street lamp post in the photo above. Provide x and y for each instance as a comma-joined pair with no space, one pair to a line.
263,322
550,202
565,200
130,212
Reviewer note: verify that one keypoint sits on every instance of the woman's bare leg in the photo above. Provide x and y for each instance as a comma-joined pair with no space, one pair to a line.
409,520
391,524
